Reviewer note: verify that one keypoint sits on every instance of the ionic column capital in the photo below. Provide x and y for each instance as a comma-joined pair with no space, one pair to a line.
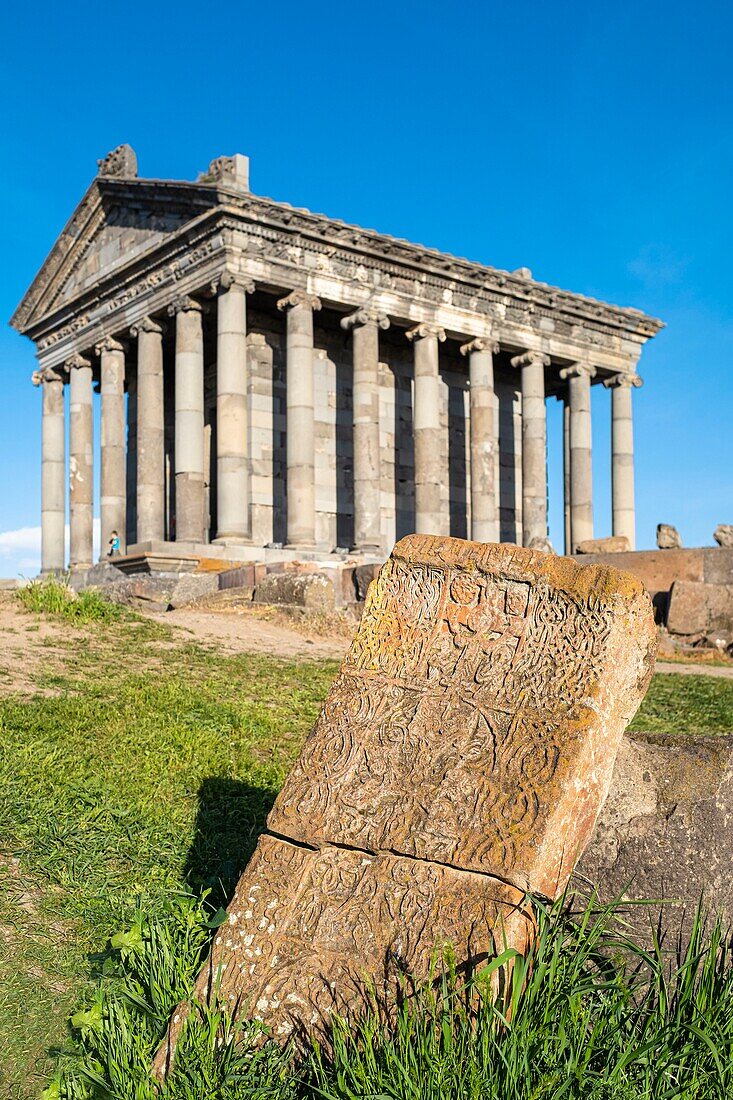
531,358
578,370
228,279
481,343
146,324
108,344
46,374
627,380
365,315
76,362
421,331
183,304
299,298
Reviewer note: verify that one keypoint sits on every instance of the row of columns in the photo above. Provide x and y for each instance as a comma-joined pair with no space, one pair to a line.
233,463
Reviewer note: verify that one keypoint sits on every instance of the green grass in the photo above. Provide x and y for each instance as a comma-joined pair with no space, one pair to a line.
52,596
586,1016
686,704
139,769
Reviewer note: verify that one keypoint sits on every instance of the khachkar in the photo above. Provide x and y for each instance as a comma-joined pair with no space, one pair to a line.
269,375
459,762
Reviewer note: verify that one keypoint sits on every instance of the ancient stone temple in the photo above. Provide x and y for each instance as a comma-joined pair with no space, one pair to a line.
269,377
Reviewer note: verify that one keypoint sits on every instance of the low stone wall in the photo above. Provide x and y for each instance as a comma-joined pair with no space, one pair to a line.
659,569
666,828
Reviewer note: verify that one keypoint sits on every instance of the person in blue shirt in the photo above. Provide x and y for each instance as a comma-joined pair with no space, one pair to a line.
114,545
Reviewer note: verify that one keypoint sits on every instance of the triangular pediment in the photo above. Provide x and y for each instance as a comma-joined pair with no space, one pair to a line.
116,221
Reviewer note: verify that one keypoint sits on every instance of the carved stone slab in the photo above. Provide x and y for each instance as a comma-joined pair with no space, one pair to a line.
460,759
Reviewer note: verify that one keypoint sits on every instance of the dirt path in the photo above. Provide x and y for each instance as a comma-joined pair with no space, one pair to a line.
723,671
246,631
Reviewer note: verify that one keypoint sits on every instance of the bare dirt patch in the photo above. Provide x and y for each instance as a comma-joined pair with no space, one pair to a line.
261,629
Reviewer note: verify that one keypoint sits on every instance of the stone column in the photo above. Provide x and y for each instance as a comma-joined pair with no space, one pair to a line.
622,455
113,479
301,446
567,541
365,324
189,416
150,431
53,473
484,439
534,445
581,464
80,461
232,442
430,473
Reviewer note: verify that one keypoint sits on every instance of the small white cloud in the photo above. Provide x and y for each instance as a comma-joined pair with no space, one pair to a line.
20,549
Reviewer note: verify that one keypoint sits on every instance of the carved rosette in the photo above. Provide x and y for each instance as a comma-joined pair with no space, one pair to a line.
365,315
531,358
183,304
421,331
578,370
146,324
626,379
300,298
481,343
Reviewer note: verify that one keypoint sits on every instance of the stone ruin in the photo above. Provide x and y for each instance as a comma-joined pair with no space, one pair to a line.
459,762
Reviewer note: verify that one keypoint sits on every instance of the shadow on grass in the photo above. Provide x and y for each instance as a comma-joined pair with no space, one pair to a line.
230,817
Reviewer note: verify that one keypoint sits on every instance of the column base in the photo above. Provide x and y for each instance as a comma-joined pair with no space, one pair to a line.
371,549
232,540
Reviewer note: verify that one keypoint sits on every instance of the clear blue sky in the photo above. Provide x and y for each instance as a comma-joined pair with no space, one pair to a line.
590,142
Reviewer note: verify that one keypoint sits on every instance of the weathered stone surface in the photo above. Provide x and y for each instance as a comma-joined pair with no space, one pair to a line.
363,577
141,589
665,828
460,758
309,590
688,610
615,544
700,608
668,537
192,587
541,543
723,534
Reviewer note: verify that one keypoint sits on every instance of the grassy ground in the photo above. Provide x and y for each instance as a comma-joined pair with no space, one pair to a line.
140,766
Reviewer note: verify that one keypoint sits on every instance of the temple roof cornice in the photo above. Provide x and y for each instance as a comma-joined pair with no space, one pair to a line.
189,232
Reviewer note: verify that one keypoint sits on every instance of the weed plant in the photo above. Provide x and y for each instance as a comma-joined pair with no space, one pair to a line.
586,1015
53,596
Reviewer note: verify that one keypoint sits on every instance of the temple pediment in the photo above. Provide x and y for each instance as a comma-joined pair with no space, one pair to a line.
116,221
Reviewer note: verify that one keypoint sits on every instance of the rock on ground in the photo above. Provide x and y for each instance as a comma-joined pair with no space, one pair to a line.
665,830
309,590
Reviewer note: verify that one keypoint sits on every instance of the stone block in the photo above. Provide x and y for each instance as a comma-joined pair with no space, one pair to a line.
698,608
243,576
688,611
460,759
144,589
723,535
614,544
664,830
192,587
668,537
309,590
363,577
